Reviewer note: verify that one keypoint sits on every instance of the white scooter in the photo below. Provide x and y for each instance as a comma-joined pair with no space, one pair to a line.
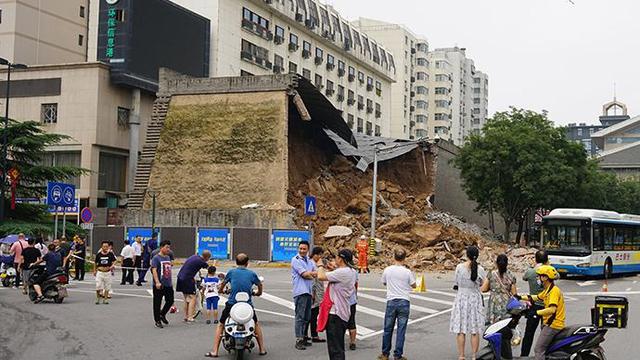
239,328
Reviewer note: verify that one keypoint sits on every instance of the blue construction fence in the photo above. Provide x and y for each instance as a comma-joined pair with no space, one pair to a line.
224,243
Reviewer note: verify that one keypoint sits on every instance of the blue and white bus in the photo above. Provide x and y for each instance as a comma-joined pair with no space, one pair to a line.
592,242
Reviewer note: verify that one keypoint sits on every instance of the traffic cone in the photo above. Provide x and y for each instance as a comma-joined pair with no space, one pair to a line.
605,288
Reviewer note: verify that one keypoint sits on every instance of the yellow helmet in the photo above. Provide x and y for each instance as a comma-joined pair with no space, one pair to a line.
548,271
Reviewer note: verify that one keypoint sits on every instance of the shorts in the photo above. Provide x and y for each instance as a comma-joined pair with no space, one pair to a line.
186,286
227,311
103,280
212,303
26,275
351,324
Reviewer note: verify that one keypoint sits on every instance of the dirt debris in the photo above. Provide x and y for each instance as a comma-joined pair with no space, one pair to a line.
435,241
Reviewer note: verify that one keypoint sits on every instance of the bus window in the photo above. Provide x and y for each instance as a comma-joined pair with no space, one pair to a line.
609,234
597,237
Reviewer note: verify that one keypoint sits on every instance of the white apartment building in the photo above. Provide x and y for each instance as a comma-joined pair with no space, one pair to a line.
258,37
44,32
460,95
410,92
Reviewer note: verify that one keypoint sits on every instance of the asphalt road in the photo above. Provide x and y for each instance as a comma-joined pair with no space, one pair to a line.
79,329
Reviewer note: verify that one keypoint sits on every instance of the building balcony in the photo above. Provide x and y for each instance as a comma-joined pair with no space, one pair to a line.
257,29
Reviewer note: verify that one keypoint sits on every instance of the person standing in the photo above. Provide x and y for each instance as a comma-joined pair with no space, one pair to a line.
211,294
342,282
105,263
535,287
148,248
186,283
351,324
317,294
399,281
41,246
161,266
303,270
64,248
467,315
16,251
30,255
128,257
362,247
137,261
80,253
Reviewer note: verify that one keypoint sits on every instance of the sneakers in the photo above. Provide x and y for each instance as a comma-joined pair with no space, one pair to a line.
383,357
159,325
318,340
307,342
208,322
401,358
352,346
164,320
97,301
106,301
215,321
300,345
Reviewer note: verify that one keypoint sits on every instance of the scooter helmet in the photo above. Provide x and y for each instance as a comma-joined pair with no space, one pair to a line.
548,271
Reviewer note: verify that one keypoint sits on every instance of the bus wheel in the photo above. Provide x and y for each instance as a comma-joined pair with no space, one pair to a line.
608,268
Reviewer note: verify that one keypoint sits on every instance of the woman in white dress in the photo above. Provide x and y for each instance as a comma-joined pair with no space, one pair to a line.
467,315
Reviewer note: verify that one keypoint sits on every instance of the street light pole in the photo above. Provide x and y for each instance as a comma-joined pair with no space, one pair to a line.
374,197
153,194
5,143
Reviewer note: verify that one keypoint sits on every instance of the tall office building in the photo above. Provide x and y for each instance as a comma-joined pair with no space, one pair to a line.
258,37
410,93
460,95
44,32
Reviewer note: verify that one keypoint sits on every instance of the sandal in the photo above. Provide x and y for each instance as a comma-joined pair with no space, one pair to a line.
211,355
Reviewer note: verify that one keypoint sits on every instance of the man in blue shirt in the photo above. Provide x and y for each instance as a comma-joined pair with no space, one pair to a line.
303,270
240,279
186,283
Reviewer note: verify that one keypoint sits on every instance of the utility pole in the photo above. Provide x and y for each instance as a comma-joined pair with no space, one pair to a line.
5,143
374,198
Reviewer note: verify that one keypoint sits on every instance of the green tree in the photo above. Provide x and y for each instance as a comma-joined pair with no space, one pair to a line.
27,145
520,162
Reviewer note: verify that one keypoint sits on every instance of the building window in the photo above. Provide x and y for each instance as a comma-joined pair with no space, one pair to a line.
476,80
442,91
306,73
441,104
579,131
66,159
293,42
360,125
352,74
123,116
422,76
293,68
81,11
331,62
369,128
350,122
420,104
421,119
0,16
422,62
255,54
245,73
49,113
330,89
306,49
442,77
361,77
80,40
280,32
340,93
441,116
422,90
377,133
318,81
254,18
378,88
476,90
319,56
476,100
278,64
112,172
351,97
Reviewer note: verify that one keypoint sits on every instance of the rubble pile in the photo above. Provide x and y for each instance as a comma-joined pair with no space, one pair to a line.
435,241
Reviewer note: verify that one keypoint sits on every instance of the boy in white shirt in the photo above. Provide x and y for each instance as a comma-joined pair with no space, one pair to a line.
210,284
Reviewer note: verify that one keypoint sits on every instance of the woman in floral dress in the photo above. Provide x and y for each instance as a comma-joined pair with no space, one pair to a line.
502,285
467,315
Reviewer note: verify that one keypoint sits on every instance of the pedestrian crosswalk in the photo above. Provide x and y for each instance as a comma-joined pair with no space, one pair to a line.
370,310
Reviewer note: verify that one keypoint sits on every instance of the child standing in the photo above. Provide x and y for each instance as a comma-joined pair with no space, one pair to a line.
210,284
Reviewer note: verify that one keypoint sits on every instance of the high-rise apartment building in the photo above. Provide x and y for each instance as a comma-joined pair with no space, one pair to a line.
460,95
258,37
44,32
410,93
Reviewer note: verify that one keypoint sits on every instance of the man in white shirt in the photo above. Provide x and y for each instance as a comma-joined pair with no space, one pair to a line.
399,281
137,261
128,254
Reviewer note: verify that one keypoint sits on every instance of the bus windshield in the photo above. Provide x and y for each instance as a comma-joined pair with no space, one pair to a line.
567,237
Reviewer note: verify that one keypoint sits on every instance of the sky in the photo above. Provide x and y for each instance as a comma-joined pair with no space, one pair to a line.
551,55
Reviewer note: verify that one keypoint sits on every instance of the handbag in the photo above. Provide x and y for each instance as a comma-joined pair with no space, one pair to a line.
325,309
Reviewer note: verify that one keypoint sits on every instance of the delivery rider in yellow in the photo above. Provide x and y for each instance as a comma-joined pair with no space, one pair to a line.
553,314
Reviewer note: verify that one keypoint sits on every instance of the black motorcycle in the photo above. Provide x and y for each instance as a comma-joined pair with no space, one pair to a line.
53,286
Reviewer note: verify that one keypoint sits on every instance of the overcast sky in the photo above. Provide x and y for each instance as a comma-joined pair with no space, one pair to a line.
539,54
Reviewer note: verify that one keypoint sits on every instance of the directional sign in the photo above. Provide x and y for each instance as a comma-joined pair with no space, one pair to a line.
86,215
310,205
60,194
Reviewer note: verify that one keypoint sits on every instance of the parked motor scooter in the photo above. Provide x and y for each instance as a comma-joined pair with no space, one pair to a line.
575,342
53,286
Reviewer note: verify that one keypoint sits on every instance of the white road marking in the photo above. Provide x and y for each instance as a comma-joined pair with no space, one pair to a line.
585,283
424,298
409,323
441,293
383,300
628,289
361,330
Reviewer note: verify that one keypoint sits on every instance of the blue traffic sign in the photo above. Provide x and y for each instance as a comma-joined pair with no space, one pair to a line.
310,205
60,194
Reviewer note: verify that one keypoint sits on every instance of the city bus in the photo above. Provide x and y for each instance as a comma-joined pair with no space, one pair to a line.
592,242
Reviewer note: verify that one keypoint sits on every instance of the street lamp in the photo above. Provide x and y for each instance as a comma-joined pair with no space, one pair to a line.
153,194
5,144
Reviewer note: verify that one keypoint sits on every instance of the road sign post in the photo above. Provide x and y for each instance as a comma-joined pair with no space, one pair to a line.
310,209
60,194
